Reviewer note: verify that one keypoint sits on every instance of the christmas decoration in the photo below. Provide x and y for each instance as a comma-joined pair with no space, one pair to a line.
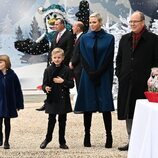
41,44
83,14
152,93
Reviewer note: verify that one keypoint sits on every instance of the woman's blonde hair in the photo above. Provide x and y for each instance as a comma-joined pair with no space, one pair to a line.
98,16
6,59
57,50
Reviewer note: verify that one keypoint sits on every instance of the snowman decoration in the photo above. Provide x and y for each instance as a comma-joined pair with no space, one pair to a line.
42,44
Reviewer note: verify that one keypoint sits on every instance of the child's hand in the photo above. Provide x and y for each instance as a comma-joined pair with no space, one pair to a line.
48,89
58,79
70,65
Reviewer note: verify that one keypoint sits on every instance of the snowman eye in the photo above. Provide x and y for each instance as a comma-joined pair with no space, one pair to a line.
47,17
55,16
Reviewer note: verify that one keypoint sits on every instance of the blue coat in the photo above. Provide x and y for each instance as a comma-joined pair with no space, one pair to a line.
11,97
94,97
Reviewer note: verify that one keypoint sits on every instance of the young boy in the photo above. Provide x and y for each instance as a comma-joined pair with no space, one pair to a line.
57,81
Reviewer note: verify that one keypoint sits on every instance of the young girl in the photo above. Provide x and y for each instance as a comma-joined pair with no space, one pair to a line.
56,83
11,97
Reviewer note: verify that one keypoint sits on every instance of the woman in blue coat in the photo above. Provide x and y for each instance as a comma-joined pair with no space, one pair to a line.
95,89
11,97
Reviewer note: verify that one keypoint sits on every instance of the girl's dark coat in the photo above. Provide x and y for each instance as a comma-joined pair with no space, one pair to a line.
58,100
11,97
133,70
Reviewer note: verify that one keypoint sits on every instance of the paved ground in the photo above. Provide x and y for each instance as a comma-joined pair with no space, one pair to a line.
28,131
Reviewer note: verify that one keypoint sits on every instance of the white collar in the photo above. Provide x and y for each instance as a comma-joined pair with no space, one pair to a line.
78,35
62,32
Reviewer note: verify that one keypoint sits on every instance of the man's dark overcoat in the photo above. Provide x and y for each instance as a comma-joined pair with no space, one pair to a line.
76,61
66,43
133,70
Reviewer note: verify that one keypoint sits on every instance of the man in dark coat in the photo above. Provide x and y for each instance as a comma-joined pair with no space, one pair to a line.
62,39
137,54
75,62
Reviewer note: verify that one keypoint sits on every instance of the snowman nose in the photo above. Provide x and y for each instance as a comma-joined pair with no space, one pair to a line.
52,21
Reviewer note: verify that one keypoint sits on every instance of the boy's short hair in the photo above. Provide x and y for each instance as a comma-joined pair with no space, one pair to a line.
6,59
57,50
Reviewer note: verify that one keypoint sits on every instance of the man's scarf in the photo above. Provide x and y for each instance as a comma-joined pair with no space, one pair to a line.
136,37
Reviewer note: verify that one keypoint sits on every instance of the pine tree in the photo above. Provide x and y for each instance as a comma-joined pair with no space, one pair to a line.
7,26
154,26
19,34
150,23
35,31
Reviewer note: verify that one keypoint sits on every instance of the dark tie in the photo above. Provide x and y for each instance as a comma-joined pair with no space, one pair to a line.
58,37
76,40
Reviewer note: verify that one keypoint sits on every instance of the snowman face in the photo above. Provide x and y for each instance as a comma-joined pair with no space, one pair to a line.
50,20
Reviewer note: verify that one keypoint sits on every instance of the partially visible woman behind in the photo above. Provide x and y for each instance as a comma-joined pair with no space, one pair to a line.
11,97
95,89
